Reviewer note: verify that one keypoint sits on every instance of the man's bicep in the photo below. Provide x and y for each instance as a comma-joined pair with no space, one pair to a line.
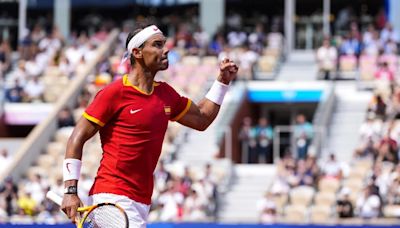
191,116
200,116
85,129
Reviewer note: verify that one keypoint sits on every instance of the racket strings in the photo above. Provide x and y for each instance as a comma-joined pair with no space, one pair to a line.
106,216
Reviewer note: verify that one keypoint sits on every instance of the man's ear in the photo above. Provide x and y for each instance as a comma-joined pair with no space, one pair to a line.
137,53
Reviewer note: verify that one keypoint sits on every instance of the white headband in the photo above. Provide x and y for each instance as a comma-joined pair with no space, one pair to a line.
138,39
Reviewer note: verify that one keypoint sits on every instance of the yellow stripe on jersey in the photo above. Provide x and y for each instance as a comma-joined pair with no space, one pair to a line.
178,117
126,82
93,119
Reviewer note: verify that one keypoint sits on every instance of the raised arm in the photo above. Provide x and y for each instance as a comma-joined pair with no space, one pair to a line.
200,116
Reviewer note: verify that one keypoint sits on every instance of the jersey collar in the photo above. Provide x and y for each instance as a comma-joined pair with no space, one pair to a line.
126,82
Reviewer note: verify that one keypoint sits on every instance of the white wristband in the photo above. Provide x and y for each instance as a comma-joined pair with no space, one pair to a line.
71,169
217,92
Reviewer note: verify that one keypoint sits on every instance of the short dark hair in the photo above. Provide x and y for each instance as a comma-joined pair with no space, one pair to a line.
139,26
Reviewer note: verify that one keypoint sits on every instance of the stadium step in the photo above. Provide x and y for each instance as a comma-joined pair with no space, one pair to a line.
299,63
349,114
250,182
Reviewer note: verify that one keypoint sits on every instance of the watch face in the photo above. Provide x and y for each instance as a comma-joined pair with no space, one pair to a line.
71,190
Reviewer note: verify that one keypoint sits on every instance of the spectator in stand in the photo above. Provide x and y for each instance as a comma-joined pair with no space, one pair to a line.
368,35
393,194
247,60
388,33
343,18
9,191
368,204
217,44
5,58
5,159
16,93
312,168
266,208
228,52
350,46
378,107
264,135
371,43
370,129
303,134
384,74
186,181
24,47
275,39
65,118
303,175
201,39
326,58
387,150
27,204
65,66
247,137
35,187
390,47
19,74
380,18
194,207
171,200
236,38
344,206
161,176
34,90
332,168
257,39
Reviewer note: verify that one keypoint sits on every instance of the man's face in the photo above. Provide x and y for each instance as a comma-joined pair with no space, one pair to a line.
155,54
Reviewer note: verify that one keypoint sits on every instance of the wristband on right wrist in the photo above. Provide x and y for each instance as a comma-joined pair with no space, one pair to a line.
217,92
71,169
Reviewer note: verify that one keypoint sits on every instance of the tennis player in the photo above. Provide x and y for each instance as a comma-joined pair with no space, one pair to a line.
132,115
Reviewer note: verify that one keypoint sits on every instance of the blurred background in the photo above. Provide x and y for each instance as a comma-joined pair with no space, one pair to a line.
309,132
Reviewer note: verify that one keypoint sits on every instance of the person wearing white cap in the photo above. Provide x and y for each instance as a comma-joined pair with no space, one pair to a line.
131,115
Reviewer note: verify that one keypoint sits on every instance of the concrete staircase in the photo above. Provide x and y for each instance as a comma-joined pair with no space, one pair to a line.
349,114
249,184
300,66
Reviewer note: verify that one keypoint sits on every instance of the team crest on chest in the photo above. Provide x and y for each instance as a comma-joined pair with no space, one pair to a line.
167,110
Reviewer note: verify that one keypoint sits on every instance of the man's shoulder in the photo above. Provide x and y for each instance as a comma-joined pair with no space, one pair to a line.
114,86
162,85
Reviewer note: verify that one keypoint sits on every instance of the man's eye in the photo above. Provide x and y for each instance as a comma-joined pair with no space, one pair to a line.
159,44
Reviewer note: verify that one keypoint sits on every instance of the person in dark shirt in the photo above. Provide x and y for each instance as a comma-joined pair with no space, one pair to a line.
344,206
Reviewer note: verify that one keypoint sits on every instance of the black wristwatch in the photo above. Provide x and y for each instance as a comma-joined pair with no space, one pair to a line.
71,190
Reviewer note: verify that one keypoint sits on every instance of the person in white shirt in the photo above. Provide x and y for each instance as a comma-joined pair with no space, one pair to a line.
331,168
368,205
34,89
326,58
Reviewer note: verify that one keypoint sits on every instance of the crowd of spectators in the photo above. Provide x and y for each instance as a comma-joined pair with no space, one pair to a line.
365,187
373,52
312,189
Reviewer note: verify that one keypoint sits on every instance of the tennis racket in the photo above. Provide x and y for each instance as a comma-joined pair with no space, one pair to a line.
102,215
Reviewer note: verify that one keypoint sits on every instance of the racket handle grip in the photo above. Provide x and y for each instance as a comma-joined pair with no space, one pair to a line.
54,197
